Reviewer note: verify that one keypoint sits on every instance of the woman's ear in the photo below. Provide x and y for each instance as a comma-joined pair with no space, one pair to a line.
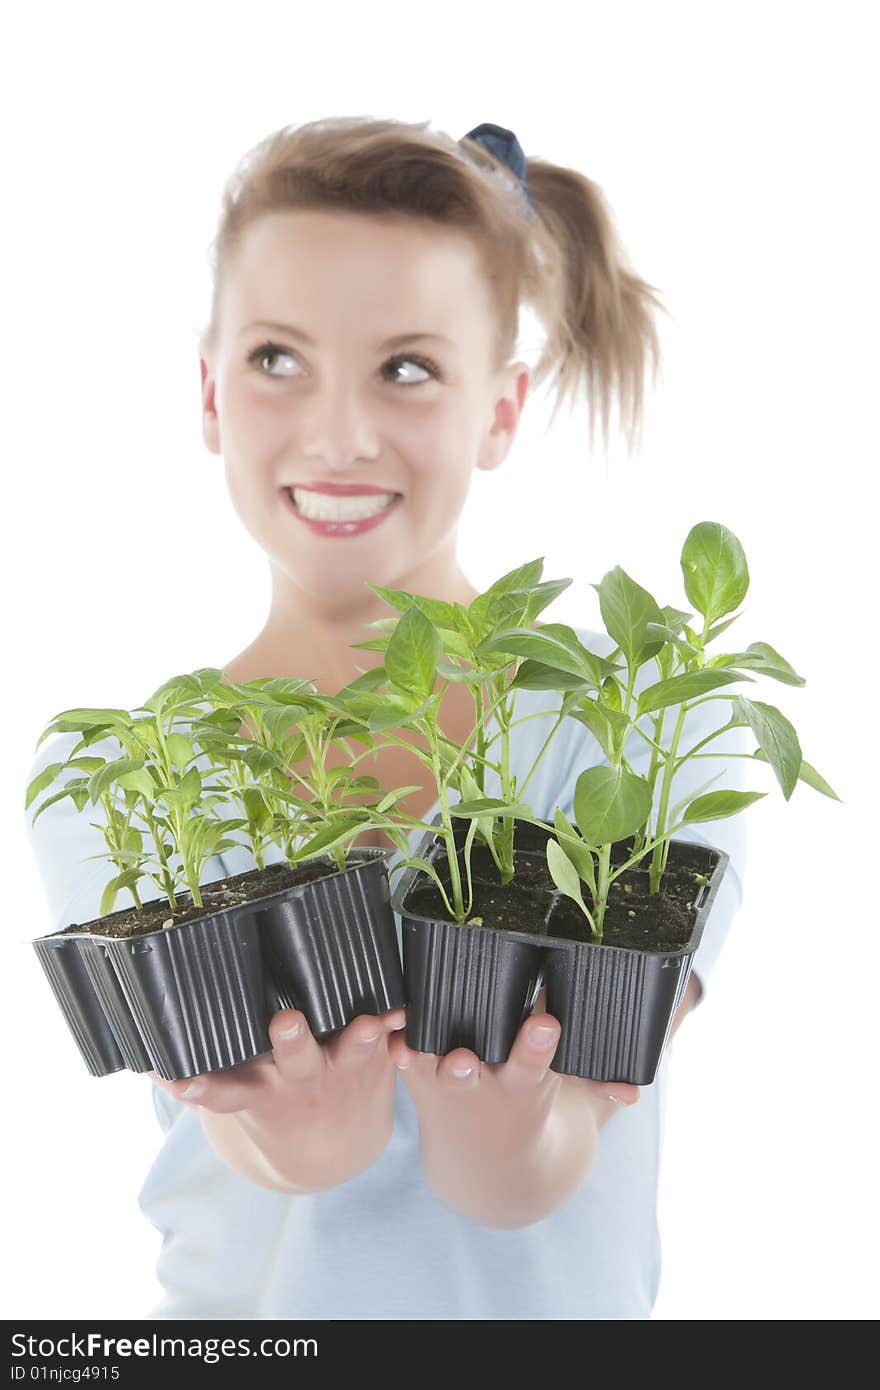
210,423
510,393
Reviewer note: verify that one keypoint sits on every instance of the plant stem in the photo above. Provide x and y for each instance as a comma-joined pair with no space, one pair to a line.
692,752
661,853
446,820
602,885
480,707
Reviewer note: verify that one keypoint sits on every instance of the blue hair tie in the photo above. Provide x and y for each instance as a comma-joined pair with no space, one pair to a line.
504,145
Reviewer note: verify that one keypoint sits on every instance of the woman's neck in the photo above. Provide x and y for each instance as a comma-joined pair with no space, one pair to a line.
299,642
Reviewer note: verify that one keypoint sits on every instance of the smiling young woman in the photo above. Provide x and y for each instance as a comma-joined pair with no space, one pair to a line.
368,281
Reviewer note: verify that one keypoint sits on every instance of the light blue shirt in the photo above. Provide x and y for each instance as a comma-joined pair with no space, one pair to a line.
383,1246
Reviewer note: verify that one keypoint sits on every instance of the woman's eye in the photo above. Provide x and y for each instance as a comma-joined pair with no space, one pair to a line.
259,355
424,364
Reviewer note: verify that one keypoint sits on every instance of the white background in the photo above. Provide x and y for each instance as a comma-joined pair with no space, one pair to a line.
736,145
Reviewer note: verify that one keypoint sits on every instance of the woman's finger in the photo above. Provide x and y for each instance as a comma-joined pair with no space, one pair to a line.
298,1056
532,1052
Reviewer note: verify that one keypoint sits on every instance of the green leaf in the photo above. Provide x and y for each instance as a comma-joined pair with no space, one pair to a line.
806,773
181,688
542,595
393,797
133,839
138,780
472,793
534,675
481,805
716,576
192,785
42,779
688,686
626,610
717,630
555,645
437,611
336,833
487,610
363,782
778,739
662,632
675,618
610,694
563,873
180,750
110,773
761,657
413,861
367,680
610,804
208,678
717,805
457,673
287,690
127,879
257,811
186,793
455,645
413,654
89,765
59,796
579,853
93,723
604,724
398,713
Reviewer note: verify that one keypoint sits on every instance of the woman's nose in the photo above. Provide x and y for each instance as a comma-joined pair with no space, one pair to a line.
337,426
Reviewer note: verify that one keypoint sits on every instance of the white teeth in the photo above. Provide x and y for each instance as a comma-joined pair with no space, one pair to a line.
323,506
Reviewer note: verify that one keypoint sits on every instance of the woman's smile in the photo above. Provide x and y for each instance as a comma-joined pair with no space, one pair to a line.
327,515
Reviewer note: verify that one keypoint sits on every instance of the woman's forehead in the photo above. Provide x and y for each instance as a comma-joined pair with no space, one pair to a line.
391,279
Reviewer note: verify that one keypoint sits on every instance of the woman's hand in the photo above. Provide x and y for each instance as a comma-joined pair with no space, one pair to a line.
506,1142
311,1115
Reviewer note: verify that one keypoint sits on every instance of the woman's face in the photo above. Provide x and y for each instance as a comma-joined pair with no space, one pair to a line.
414,418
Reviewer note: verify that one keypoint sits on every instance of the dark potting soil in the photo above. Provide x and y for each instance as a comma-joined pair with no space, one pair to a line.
217,896
508,906
634,917
530,869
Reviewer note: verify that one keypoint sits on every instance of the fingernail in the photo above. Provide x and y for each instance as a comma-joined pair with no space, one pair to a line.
373,1037
402,1064
461,1071
193,1091
541,1035
288,1034
616,1099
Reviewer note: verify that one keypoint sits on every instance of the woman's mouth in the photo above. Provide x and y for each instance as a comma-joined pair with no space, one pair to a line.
330,515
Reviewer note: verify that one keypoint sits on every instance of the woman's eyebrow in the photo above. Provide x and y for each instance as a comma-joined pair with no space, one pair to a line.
294,332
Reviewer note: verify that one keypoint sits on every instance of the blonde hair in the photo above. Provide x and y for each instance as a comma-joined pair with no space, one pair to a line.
562,256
